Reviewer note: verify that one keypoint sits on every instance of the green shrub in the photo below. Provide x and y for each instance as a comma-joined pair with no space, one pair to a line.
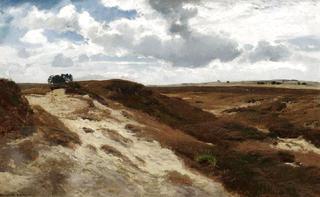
207,158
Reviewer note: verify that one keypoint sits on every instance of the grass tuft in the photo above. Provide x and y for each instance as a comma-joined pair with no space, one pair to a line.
207,158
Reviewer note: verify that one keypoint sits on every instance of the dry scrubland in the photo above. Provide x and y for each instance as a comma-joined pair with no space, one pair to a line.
103,137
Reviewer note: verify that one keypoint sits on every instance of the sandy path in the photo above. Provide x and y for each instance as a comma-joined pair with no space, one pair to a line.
130,166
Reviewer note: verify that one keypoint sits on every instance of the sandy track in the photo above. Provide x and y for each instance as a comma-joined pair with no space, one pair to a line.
111,161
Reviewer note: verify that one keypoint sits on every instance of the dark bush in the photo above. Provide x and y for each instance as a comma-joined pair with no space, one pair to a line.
275,83
60,79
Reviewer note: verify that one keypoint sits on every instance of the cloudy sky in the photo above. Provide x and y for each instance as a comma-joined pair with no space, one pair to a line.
160,41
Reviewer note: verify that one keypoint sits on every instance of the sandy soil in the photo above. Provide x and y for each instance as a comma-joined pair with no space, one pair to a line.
296,145
111,161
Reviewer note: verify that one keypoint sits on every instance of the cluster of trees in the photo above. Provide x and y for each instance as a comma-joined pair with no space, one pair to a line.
60,79
272,82
302,83
276,83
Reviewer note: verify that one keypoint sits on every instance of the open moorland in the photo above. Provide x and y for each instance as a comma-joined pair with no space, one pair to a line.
120,138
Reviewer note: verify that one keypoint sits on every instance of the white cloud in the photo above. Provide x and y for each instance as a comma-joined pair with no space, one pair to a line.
83,58
169,41
34,37
265,51
61,61
196,50
65,20
140,5
23,53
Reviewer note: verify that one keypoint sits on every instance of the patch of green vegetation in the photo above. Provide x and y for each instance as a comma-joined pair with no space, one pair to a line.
207,158
253,134
14,99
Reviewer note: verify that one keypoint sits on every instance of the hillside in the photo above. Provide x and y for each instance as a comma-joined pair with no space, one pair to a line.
81,147
15,113
101,137
237,168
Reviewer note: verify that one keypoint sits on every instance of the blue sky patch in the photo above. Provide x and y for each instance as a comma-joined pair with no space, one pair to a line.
42,4
102,13
53,36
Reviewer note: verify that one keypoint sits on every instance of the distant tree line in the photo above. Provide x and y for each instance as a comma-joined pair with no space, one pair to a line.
278,83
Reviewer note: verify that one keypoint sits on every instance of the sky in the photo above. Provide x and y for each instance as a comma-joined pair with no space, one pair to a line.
160,41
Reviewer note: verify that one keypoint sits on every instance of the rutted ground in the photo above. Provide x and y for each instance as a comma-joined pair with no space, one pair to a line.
111,160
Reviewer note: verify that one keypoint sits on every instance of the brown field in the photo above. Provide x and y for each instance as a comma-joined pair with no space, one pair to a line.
273,112
257,141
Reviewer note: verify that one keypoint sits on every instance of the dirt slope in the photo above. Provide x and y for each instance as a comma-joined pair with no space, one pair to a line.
270,172
109,159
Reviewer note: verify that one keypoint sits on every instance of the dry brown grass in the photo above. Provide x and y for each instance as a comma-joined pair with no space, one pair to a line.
254,160
178,178
41,89
238,170
115,136
53,130
92,148
285,112
111,150
88,130
54,177
186,129
15,112
28,148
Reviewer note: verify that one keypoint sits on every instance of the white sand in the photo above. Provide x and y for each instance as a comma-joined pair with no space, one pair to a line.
296,144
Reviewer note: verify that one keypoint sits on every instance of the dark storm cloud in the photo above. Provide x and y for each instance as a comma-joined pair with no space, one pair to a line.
193,49
176,14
